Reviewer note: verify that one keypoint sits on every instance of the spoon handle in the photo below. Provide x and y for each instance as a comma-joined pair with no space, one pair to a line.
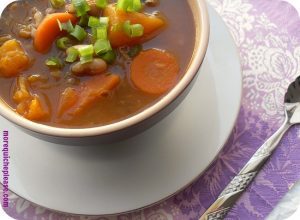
228,197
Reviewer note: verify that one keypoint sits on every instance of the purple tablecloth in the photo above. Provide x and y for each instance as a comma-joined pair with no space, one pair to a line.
267,33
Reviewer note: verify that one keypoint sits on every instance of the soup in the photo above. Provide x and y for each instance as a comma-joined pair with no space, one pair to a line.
87,63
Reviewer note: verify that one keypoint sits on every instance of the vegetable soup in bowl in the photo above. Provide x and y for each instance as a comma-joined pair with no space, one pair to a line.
98,68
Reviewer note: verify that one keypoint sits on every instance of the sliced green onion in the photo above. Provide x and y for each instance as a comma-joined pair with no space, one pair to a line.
54,62
63,43
86,59
134,30
101,3
57,3
123,4
102,46
101,33
86,53
79,33
93,22
137,30
129,5
135,50
72,55
84,19
109,57
81,7
136,5
104,21
126,28
67,26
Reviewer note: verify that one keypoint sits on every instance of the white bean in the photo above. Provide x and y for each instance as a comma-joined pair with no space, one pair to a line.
97,66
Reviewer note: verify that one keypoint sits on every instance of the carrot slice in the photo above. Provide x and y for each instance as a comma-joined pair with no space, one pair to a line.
48,30
152,25
154,71
89,92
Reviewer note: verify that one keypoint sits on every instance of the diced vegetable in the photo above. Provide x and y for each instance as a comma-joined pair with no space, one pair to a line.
79,33
117,37
67,26
154,71
134,30
101,3
93,22
86,53
81,7
129,5
57,3
83,22
35,110
95,67
102,46
67,99
90,92
28,105
99,27
72,55
63,43
54,62
109,57
48,30
104,21
22,90
101,33
13,59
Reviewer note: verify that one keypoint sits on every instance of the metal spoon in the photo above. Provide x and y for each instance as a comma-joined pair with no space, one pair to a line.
228,197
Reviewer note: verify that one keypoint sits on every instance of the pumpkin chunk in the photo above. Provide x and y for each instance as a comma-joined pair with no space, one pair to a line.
87,94
117,37
13,59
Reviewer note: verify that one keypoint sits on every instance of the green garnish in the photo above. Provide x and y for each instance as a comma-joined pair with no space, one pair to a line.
137,30
93,22
63,43
54,62
72,55
79,33
104,21
57,3
99,27
67,26
102,46
101,3
133,30
109,57
86,53
135,50
101,33
129,5
84,19
81,7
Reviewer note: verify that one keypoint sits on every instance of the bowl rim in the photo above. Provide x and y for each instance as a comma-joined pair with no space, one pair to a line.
198,57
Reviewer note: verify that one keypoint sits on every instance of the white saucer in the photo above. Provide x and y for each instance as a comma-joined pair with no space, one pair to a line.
110,179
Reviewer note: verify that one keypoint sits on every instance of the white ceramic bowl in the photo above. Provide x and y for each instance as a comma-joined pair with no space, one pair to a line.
138,122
